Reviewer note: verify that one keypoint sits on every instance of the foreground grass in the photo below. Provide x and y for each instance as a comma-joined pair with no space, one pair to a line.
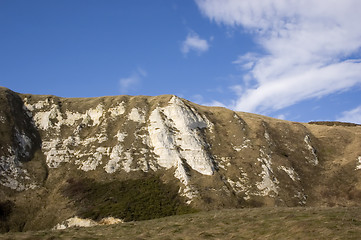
256,223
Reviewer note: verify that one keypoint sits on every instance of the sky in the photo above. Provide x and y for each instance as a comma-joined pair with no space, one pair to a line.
288,59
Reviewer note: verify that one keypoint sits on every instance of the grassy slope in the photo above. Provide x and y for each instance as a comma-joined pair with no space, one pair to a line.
333,183
256,223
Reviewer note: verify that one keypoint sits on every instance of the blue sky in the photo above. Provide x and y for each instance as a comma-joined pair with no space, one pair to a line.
295,60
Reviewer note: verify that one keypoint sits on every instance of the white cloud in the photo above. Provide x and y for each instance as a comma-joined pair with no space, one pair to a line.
199,99
353,115
307,47
195,43
288,89
130,83
213,104
237,89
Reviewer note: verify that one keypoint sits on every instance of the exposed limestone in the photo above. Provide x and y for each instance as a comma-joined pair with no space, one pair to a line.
92,161
54,155
266,134
136,115
314,159
358,166
174,133
23,142
113,163
75,222
212,156
246,144
13,175
2,119
268,185
223,162
291,172
81,222
162,140
301,197
44,120
95,114
241,185
110,221
117,110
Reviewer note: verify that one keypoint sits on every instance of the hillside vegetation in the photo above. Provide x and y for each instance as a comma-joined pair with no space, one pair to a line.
130,200
140,157
256,223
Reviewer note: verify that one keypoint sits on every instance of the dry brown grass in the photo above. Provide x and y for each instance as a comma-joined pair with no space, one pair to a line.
236,141
256,223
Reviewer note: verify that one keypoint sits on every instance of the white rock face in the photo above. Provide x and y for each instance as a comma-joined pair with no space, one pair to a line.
45,119
23,142
314,159
113,164
110,221
268,185
121,136
70,119
175,136
137,115
162,140
59,150
85,151
53,118
75,222
81,222
95,114
291,173
246,144
301,197
56,152
241,184
92,161
358,167
127,162
12,173
174,133
117,110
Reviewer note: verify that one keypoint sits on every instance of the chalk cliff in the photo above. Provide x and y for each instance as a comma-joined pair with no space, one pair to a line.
214,157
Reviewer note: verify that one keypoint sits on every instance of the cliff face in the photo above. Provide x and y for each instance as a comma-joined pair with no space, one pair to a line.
215,157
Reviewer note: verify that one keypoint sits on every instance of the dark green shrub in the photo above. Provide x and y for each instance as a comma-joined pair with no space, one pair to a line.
5,210
130,200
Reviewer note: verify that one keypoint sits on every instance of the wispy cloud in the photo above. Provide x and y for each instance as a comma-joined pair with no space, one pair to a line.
199,99
194,43
132,82
353,115
307,48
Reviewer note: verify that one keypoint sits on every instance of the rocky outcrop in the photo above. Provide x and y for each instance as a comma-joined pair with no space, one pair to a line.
79,222
216,157
18,143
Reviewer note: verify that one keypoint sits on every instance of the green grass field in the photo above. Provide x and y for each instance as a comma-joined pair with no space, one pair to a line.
253,223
